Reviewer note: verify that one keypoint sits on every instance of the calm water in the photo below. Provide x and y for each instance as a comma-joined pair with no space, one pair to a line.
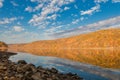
65,66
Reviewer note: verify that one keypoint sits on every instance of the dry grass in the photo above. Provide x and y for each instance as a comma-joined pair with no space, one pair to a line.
99,48
99,39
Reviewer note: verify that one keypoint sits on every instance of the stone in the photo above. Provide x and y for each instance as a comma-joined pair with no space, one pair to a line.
22,71
22,62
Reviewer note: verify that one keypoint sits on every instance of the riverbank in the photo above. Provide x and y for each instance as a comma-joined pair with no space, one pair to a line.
23,71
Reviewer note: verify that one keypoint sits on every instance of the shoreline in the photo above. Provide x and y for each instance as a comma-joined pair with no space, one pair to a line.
103,72
23,71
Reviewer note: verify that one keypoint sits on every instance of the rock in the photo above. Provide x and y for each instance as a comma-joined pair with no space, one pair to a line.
6,78
3,68
22,71
12,78
19,69
33,68
36,76
28,73
53,70
21,62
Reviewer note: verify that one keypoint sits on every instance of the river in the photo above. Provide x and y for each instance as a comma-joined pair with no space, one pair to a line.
88,72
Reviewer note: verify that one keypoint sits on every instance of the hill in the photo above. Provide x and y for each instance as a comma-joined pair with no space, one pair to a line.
3,46
109,38
98,48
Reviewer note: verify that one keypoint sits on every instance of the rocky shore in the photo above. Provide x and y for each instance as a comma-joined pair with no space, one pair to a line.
23,71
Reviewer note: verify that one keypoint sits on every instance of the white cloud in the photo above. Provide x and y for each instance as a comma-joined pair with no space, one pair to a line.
14,4
82,18
105,24
100,1
91,11
76,7
38,7
52,17
46,8
75,21
71,0
29,9
18,28
7,20
115,1
53,30
22,37
66,8
1,3
19,23
78,20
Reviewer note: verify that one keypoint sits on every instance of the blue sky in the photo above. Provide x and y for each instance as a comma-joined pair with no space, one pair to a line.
31,20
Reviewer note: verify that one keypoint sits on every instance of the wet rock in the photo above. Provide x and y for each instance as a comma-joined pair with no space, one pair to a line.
22,71
53,70
22,62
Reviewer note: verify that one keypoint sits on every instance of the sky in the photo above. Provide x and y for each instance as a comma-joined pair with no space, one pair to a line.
24,21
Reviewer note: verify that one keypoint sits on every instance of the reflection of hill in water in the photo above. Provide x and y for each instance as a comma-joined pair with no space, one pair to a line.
65,65
81,48
108,58
3,49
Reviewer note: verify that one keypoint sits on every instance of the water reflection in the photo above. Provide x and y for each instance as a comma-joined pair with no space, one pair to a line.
62,65
108,58
3,49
